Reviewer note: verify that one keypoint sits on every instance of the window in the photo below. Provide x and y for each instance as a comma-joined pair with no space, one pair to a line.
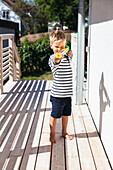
5,14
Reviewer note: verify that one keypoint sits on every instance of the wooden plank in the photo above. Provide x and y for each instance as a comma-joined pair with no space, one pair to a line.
5,49
5,67
11,86
6,58
15,129
44,151
11,137
6,72
58,157
86,159
8,87
23,130
97,149
10,113
17,71
7,98
6,76
26,145
58,153
43,158
30,154
5,53
1,66
72,157
5,37
5,63
11,58
5,126
17,57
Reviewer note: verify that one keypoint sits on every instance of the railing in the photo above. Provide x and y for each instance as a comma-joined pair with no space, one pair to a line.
9,60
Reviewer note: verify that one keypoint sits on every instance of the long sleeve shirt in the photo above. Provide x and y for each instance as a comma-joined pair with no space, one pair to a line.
63,79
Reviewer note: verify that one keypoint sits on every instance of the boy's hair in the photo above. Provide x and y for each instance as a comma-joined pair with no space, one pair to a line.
56,35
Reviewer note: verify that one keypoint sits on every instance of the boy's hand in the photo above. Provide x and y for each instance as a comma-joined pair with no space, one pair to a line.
57,60
70,53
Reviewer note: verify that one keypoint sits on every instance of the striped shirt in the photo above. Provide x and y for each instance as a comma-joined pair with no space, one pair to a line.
62,72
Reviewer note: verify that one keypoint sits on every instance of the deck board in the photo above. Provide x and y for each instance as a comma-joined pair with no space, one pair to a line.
86,159
98,153
24,133
58,157
72,156
44,151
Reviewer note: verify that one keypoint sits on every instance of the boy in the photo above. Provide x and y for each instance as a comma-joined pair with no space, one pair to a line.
62,89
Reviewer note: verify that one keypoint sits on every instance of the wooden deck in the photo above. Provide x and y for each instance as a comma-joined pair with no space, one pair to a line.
24,133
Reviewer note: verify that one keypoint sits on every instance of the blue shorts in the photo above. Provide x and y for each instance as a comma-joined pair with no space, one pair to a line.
60,106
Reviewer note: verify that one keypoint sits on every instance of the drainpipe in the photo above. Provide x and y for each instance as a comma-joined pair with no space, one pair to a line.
80,53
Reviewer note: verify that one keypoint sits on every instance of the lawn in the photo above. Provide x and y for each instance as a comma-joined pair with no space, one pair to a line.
45,76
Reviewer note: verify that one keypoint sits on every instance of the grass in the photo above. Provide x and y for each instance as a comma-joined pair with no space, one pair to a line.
45,76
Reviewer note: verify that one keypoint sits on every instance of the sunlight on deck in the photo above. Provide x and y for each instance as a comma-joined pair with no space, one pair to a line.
24,135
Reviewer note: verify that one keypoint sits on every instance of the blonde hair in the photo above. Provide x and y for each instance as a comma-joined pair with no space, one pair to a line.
56,35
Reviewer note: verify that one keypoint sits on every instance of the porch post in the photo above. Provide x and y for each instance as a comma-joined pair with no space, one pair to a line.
80,52
1,68
11,58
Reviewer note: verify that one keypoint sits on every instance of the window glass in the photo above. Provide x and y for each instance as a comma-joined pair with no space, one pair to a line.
3,14
7,14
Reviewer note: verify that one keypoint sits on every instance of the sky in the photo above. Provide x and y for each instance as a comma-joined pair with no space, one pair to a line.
29,0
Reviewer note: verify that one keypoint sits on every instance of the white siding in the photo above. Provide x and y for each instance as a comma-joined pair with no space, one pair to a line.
101,70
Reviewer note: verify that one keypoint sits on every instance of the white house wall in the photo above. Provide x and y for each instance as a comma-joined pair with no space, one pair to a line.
12,15
101,70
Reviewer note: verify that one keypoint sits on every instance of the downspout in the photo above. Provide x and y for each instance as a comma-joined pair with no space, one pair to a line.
80,52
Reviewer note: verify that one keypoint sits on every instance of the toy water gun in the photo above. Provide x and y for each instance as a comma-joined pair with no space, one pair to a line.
63,52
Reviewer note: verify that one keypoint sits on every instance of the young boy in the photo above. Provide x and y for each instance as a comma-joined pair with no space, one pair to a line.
62,88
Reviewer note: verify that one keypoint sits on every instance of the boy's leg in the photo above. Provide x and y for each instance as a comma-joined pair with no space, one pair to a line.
52,123
64,128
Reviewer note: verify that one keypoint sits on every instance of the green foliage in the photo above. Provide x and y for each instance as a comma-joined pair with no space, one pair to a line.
36,14
43,40
34,57
65,12
46,76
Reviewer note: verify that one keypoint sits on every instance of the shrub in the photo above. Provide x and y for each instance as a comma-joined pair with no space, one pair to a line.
34,56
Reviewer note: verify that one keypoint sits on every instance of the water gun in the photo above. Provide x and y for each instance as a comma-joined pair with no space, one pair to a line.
63,52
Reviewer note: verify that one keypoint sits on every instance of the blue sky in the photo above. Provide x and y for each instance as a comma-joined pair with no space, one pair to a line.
29,0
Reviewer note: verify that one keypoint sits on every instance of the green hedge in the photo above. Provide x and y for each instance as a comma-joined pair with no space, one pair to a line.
35,56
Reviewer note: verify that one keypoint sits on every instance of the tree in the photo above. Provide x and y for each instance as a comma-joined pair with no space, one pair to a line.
26,13
36,14
58,10
71,17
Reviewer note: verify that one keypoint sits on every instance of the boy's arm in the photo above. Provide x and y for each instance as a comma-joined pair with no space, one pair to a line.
57,60
53,62
70,53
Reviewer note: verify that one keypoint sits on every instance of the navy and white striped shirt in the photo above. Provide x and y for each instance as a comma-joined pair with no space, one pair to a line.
63,78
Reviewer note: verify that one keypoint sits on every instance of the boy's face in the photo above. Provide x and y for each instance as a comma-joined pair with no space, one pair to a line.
58,45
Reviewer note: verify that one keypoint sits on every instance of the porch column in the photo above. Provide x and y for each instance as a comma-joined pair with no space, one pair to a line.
11,58
80,52
1,68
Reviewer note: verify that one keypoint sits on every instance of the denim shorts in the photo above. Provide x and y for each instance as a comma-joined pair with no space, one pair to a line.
60,106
